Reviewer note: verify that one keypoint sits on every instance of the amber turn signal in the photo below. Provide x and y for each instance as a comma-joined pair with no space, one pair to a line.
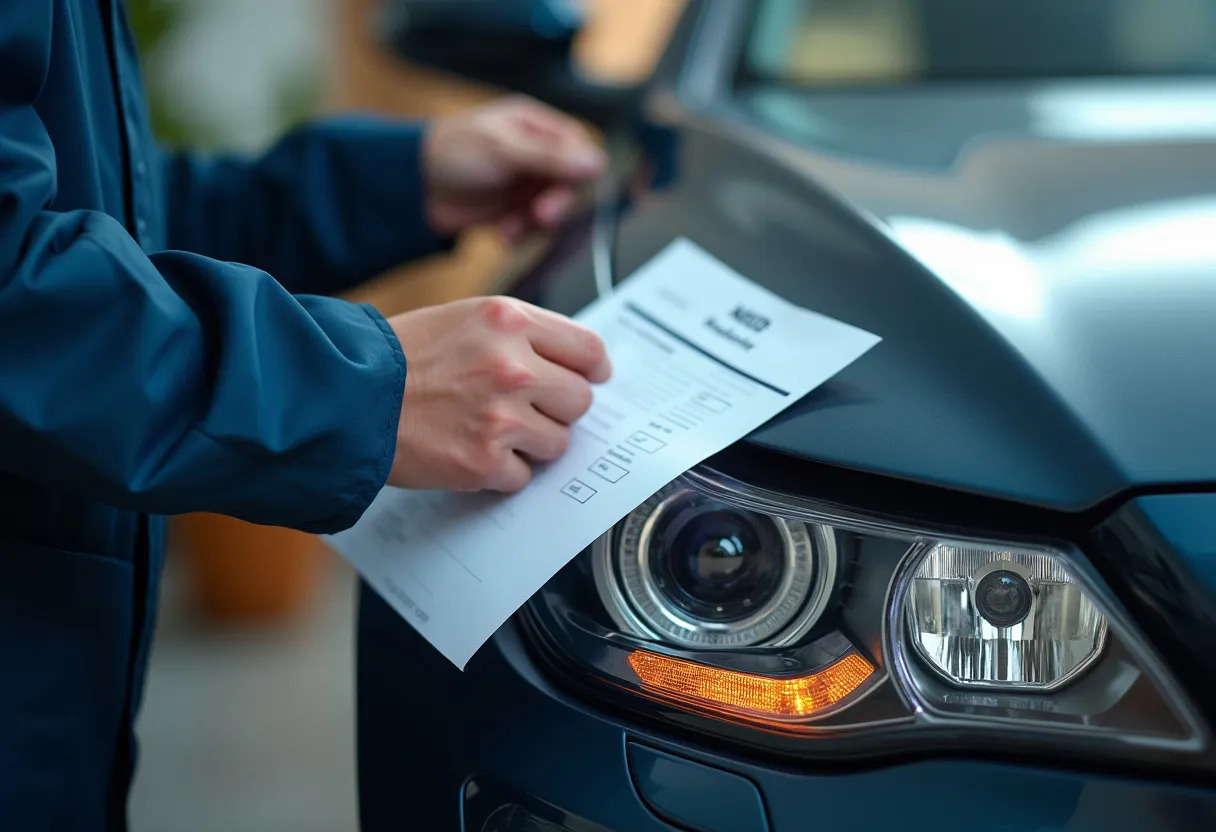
785,699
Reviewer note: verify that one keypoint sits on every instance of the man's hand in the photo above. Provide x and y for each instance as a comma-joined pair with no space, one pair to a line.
492,385
515,162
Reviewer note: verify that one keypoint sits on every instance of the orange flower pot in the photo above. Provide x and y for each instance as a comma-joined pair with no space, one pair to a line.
243,573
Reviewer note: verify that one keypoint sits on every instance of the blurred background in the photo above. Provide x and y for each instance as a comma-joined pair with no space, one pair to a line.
248,717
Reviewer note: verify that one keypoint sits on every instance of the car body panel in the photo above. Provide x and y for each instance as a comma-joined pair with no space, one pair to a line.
1078,221
1159,556
1187,526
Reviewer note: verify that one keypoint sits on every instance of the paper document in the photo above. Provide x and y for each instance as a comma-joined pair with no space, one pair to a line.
701,356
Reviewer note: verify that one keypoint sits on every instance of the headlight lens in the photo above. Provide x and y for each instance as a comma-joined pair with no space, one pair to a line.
692,570
984,616
769,620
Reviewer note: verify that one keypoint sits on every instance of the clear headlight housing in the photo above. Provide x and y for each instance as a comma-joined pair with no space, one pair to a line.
984,616
771,620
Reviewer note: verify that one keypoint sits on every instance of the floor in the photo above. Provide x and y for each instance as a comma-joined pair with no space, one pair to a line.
249,730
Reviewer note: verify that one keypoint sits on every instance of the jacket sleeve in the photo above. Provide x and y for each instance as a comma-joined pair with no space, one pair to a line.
173,382
329,206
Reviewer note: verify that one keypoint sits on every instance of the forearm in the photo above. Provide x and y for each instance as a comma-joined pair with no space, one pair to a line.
177,383
174,382
329,206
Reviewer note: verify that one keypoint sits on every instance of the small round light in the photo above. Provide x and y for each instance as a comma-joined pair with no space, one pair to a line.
1003,598
695,571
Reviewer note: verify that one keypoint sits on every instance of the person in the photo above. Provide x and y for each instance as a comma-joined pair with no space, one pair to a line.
166,346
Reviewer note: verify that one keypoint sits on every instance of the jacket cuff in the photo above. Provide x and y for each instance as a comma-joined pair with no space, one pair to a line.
387,418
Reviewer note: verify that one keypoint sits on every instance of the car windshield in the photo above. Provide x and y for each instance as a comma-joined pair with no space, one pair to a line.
848,42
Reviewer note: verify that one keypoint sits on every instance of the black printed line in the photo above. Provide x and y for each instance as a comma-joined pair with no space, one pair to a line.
720,362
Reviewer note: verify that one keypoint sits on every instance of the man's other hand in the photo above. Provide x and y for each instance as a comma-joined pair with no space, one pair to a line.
492,385
514,162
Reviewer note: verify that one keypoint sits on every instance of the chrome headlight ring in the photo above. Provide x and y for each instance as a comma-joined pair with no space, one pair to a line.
632,590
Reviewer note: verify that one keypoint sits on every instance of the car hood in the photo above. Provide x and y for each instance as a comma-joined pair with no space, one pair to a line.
1039,260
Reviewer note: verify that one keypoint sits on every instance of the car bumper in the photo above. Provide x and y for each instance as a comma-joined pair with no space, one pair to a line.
444,750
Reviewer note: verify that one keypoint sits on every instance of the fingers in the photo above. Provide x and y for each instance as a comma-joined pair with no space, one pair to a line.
544,211
568,344
542,439
513,227
553,205
549,155
494,385
562,395
536,156
538,439
535,438
511,476
541,142
541,119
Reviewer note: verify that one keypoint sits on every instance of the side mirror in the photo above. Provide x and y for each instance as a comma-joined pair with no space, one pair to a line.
522,45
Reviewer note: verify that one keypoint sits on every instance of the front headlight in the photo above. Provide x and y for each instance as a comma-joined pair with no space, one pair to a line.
809,630
695,571
1001,618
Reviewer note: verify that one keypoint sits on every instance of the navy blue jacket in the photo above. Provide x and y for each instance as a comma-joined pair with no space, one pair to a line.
164,348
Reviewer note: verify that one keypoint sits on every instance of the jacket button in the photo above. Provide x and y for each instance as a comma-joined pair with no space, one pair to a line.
141,227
